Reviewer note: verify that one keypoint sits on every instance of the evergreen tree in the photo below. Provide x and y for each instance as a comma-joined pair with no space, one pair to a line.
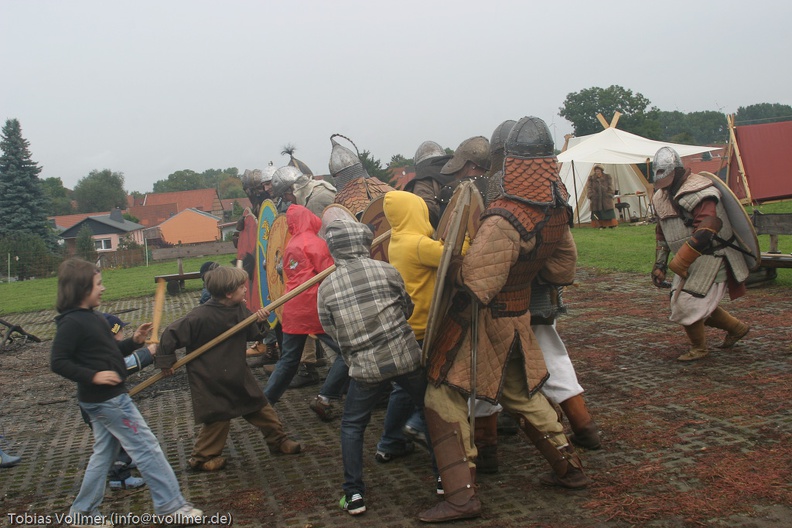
23,206
85,245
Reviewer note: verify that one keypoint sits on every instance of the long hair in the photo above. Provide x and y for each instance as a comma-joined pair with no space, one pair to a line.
75,282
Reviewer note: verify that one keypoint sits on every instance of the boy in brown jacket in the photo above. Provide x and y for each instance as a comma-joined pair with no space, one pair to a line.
222,385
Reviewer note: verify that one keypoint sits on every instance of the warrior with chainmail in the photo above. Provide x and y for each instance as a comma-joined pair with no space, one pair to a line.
693,224
562,387
524,234
430,158
355,188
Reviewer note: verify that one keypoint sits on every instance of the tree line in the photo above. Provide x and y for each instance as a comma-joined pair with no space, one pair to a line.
26,200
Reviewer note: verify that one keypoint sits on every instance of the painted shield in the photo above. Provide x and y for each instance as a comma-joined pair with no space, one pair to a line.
278,238
740,221
332,212
453,227
267,214
374,216
246,245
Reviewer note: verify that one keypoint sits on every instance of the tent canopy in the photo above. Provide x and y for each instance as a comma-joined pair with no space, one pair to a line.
619,153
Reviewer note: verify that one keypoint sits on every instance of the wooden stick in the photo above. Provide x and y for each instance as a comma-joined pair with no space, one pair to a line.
247,322
159,304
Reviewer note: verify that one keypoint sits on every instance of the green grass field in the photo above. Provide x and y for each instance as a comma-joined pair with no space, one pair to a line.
39,294
628,248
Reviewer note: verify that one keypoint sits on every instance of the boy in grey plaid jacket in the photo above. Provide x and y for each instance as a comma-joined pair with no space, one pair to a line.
364,307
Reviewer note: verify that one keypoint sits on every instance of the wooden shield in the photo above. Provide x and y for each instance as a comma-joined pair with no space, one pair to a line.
267,214
332,212
474,217
741,223
246,245
278,238
454,225
374,216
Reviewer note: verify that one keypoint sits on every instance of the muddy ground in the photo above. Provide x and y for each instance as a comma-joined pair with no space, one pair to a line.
684,444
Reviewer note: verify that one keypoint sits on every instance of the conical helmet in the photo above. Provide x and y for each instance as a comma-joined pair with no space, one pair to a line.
345,165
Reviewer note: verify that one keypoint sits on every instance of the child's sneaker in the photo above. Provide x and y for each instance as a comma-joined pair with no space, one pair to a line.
384,457
129,483
353,504
439,489
187,515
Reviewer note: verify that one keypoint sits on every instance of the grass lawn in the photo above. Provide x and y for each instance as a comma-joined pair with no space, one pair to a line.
39,294
628,248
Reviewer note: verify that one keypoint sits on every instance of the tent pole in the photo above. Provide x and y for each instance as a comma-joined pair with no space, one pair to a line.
740,166
577,202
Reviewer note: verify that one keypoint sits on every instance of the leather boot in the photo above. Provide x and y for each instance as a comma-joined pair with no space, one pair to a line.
567,467
459,497
584,430
723,320
306,375
698,342
486,438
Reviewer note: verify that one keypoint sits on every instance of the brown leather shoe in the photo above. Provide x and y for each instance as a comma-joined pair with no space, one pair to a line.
574,479
731,339
287,446
693,354
446,511
587,437
213,464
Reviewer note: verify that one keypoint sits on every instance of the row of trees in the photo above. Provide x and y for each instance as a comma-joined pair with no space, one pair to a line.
694,128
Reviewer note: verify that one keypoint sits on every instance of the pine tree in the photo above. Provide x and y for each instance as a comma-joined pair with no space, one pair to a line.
23,206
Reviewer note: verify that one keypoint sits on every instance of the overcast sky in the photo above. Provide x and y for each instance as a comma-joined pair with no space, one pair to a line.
147,87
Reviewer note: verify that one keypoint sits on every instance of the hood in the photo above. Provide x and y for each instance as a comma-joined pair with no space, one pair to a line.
348,239
301,220
407,213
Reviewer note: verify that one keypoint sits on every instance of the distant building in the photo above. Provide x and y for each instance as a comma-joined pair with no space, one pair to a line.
107,231
190,226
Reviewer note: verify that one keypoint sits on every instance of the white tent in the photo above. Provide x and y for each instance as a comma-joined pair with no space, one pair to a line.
620,153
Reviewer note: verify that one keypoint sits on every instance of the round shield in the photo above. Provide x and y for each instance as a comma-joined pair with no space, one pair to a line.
332,212
267,214
741,224
454,224
278,238
374,217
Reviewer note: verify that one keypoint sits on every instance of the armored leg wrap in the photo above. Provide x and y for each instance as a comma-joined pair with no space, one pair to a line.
584,430
698,342
723,320
567,467
460,500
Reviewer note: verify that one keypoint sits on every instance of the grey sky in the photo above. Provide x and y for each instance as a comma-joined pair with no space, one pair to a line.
151,87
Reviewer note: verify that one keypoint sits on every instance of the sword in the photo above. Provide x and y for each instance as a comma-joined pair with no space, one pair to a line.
474,316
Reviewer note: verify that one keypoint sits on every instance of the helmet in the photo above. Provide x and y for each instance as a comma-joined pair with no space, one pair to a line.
475,149
345,165
426,150
251,179
529,138
266,174
501,133
285,178
666,161
303,168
